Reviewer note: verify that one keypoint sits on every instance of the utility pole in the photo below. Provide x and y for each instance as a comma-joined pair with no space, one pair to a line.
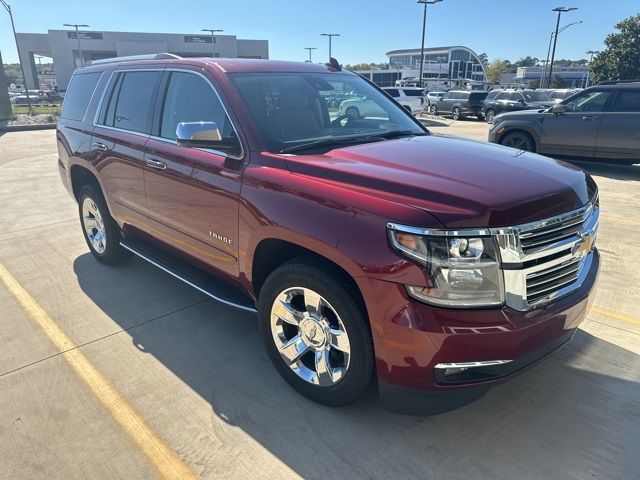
15,37
555,38
424,27
330,35
212,31
77,26
310,50
590,52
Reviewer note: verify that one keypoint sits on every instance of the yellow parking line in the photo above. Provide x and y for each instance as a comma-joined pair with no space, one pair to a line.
619,220
616,315
165,460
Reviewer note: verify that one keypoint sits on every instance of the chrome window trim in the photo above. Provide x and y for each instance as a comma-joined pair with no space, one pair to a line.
513,257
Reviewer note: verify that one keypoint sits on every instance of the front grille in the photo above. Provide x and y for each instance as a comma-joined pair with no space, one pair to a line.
553,232
549,280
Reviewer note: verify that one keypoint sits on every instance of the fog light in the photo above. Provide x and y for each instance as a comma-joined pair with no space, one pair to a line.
455,371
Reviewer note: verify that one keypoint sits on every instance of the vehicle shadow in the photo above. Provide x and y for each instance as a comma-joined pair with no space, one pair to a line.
573,415
613,171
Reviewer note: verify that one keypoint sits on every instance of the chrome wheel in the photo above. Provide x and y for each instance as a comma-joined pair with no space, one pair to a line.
93,225
310,336
488,116
433,110
456,113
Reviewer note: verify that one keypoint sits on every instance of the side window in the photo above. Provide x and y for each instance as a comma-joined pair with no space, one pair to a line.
131,101
79,95
191,98
446,96
589,101
393,92
627,101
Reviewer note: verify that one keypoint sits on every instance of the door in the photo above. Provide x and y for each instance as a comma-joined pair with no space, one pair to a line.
574,132
619,134
192,193
122,128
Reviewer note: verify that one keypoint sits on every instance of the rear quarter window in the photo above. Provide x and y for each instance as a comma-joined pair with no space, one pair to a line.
477,97
414,93
78,96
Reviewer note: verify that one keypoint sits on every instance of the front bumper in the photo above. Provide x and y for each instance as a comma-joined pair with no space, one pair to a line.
413,338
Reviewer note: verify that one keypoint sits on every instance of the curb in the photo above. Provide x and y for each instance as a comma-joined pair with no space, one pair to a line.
24,128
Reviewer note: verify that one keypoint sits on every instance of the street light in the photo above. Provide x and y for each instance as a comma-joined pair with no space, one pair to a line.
555,38
310,50
330,35
546,63
15,37
590,52
424,26
77,26
213,39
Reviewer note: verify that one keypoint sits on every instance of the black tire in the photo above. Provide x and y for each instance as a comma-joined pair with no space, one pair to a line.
340,293
455,113
353,112
433,110
489,115
112,253
520,140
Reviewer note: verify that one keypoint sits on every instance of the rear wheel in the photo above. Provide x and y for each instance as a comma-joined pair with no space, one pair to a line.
316,334
101,232
455,113
353,112
433,110
520,140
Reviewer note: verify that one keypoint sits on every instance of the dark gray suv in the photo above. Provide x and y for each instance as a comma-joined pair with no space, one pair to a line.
599,123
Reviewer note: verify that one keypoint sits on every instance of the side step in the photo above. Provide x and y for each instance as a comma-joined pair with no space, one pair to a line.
197,278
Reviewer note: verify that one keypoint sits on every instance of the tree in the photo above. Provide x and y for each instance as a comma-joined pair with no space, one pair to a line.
557,82
620,60
528,61
484,59
12,73
495,69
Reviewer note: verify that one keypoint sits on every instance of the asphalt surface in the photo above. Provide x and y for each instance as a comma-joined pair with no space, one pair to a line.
124,372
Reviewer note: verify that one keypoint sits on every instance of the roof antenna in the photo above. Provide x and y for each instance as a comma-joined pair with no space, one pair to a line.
333,63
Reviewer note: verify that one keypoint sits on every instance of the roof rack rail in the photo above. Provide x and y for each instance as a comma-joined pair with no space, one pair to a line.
151,56
616,82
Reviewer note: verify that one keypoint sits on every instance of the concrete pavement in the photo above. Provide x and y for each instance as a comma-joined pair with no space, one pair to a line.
195,370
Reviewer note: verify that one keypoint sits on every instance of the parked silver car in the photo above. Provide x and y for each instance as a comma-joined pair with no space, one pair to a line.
599,123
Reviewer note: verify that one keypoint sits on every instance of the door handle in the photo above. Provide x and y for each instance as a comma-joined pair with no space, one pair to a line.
589,117
157,164
100,146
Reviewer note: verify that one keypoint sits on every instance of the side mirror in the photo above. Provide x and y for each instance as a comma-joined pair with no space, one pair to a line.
198,134
559,109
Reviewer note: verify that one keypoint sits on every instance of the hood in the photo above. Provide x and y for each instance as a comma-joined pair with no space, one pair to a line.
461,182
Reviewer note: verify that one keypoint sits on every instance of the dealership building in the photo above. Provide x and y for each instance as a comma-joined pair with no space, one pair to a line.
65,49
446,67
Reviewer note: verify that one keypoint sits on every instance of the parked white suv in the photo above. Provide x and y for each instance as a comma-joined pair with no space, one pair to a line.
411,98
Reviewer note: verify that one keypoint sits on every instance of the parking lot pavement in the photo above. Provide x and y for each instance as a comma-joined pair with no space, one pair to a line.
194,375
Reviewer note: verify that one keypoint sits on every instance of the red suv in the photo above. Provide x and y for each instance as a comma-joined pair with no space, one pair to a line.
373,252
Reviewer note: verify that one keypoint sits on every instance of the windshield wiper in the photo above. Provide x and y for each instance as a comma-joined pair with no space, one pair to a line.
330,142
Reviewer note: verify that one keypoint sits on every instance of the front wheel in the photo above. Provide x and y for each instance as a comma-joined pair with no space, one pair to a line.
489,115
519,140
316,333
101,231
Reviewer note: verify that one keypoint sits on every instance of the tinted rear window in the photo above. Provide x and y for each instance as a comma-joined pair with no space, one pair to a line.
393,92
477,96
414,93
131,101
78,96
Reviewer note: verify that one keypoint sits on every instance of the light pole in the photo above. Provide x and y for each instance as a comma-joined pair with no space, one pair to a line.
590,52
77,26
212,31
555,37
424,27
15,37
330,35
310,50
546,62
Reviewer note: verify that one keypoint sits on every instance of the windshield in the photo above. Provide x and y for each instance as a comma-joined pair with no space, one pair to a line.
292,110
536,97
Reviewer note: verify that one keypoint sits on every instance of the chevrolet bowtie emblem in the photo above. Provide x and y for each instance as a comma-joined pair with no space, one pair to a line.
583,245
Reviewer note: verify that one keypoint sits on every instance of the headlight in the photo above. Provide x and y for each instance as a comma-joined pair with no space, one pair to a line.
465,271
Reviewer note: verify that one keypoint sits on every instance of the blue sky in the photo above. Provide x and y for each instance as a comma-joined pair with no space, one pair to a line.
502,28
